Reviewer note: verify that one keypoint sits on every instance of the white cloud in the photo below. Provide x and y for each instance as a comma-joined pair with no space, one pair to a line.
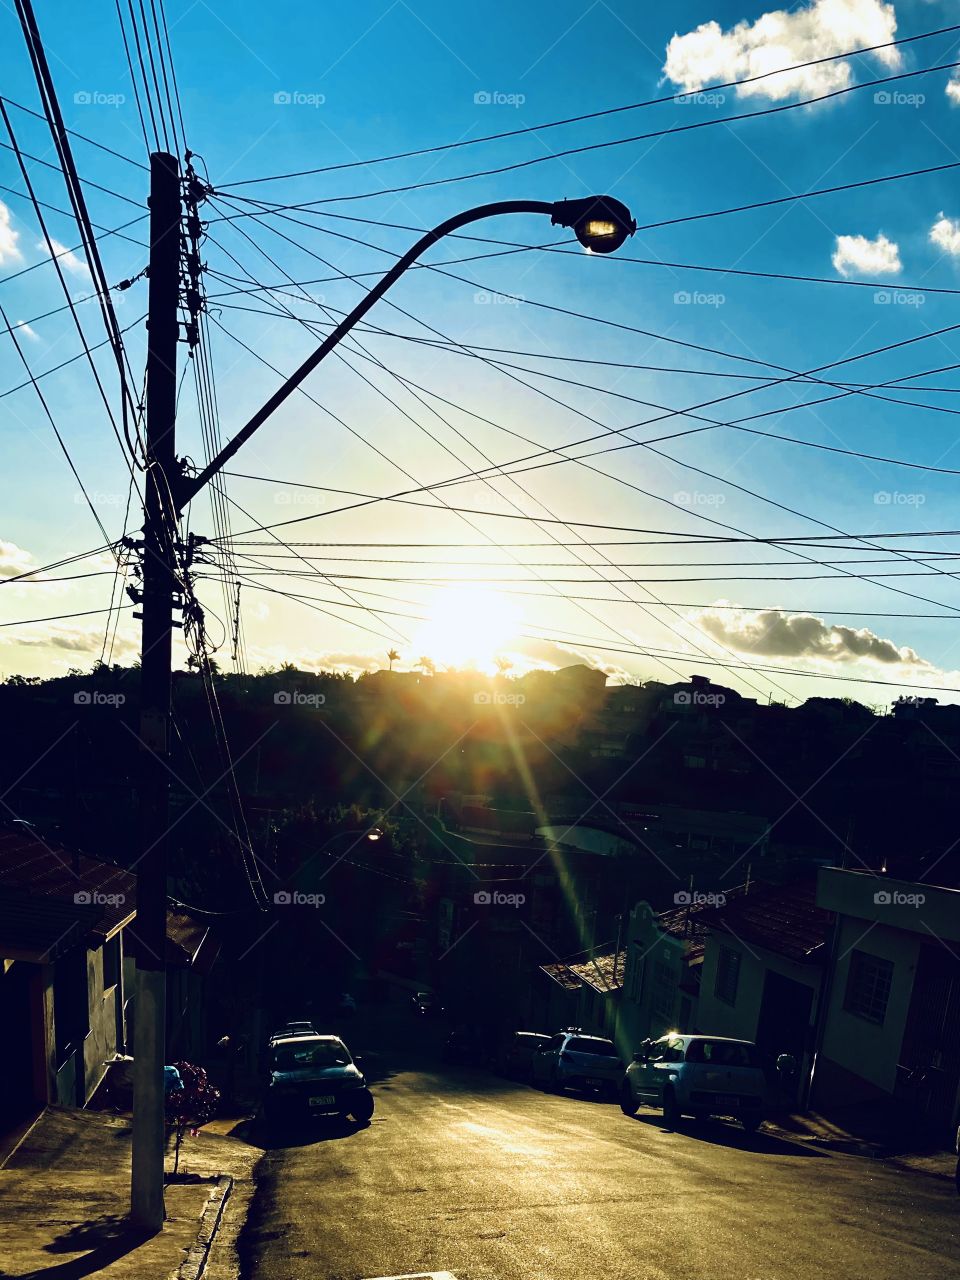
874,257
953,88
774,633
783,38
8,237
945,234
13,560
22,327
67,259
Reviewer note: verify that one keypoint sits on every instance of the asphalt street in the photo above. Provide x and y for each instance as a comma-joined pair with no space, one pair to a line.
464,1173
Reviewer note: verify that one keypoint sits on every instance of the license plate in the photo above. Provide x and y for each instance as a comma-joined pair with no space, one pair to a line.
596,1081
323,1100
727,1100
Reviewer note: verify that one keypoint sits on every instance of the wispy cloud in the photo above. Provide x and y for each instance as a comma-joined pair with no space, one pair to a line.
8,235
67,259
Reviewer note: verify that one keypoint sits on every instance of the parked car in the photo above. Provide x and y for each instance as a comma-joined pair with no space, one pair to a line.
698,1075
515,1053
426,1004
572,1059
311,1074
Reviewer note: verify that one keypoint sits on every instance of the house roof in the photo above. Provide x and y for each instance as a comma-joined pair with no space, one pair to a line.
603,972
46,869
41,929
781,918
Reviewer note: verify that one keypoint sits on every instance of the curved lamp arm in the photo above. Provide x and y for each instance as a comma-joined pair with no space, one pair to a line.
570,213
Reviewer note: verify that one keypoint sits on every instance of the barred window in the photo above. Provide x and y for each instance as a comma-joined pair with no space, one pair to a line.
728,976
868,986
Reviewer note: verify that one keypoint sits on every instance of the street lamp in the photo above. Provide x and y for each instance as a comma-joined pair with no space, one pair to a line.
600,223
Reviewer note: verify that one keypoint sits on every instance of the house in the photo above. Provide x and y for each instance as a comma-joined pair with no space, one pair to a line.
763,964
890,1027
664,956
66,992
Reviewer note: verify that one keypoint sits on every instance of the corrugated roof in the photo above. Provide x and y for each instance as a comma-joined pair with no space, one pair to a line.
46,869
40,929
604,972
781,918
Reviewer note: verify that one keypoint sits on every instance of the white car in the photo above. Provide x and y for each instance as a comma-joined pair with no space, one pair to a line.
699,1076
571,1058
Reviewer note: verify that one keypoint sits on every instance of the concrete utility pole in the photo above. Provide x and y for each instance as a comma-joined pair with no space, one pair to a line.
160,583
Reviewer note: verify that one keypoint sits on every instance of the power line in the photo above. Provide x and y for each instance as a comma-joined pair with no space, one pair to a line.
593,115
75,133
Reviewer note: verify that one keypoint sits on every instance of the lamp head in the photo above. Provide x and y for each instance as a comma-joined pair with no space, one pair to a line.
600,223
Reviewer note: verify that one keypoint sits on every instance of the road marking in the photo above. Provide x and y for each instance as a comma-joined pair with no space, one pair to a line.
420,1275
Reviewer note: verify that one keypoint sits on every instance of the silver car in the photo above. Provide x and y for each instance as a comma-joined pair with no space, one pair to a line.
574,1060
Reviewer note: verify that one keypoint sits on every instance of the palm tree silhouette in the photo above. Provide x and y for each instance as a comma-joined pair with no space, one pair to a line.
393,657
428,666
503,665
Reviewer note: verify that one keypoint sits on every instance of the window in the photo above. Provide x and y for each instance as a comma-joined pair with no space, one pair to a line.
728,976
664,990
868,986
723,1053
111,963
694,762
667,1050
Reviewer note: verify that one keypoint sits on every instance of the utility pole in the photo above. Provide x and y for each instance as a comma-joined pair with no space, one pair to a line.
159,586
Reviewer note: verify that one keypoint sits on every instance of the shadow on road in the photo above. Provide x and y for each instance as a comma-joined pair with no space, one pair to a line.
720,1133
108,1239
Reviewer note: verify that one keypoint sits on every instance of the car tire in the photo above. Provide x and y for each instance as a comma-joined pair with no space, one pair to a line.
361,1107
751,1123
671,1110
628,1103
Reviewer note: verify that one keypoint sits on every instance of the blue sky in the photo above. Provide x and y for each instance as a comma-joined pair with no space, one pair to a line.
268,91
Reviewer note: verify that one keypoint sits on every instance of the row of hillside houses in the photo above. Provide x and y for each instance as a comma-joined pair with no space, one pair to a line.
68,944
854,974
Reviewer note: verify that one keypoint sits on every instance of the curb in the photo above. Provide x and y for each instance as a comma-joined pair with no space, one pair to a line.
193,1265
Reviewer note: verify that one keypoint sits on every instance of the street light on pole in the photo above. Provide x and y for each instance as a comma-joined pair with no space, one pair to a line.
600,223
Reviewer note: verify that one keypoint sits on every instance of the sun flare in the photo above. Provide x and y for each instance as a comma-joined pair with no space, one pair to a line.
469,627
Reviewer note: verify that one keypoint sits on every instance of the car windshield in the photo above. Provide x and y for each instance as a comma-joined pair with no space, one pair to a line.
723,1053
600,1048
310,1053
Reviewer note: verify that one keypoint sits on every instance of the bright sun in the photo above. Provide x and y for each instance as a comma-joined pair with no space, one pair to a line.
468,627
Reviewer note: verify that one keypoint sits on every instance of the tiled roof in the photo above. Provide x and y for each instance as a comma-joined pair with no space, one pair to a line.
44,868
781,918
604,972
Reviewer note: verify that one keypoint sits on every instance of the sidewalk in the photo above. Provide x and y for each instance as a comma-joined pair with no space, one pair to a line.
64,1195
879,1132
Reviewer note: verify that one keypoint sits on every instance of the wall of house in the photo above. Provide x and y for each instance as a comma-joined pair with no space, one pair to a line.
741,1019
859,1057
101,1041
655,967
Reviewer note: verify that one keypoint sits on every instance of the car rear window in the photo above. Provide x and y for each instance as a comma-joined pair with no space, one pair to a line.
600,1048
323,1053
723,1053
